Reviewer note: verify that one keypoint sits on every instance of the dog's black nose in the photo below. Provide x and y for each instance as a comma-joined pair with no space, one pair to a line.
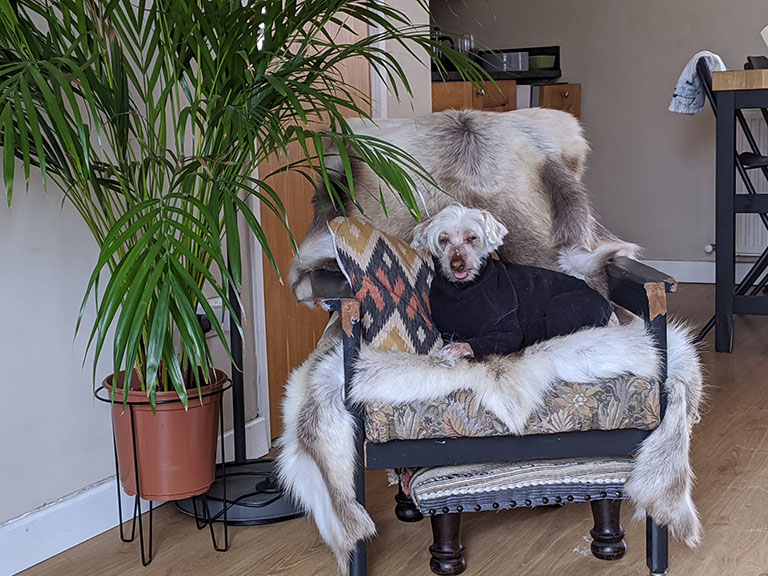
457,265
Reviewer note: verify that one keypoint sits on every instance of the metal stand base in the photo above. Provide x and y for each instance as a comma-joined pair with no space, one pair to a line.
248,493
203,517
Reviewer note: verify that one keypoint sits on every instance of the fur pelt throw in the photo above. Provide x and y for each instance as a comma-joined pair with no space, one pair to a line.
318,456
524,166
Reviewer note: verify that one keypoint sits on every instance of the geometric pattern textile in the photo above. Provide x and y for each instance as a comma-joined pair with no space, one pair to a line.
391,281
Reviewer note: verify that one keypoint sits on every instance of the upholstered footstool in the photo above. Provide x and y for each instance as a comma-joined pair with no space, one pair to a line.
444,493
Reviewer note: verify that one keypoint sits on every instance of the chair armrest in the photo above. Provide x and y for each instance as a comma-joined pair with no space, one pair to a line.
643,290
331,292
329,287
639,288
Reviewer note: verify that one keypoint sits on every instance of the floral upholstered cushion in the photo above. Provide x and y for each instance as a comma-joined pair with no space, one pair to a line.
626,402
391,281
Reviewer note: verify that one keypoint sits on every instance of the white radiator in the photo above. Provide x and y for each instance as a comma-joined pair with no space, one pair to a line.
751,235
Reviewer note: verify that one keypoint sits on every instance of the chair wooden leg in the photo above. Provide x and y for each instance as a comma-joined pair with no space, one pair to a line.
405,509
656,547
607,535
446,550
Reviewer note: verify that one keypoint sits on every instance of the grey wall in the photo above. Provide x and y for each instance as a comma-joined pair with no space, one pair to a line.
55,439
651,171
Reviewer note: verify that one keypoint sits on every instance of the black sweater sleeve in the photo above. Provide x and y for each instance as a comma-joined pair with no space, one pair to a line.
496,342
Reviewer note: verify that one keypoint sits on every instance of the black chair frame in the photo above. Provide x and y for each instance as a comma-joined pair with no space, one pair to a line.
634,286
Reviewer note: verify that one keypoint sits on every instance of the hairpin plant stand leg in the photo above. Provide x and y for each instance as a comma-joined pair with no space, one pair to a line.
202,518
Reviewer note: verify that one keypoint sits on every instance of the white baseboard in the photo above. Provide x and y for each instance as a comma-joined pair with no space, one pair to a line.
46,531
257,441
695,272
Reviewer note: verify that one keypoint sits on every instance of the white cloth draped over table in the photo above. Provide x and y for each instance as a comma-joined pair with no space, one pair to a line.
688,97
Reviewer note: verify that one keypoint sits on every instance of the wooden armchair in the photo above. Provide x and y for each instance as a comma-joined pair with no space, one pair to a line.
633,286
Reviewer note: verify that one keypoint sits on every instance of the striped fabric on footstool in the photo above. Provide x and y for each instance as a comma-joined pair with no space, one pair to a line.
473,488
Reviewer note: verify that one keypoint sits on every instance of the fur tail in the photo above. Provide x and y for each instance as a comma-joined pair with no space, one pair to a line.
660,484
590,264
318,458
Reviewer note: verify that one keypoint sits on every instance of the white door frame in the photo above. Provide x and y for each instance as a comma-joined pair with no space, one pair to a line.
260,324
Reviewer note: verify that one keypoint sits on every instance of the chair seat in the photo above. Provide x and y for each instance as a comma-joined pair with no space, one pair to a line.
751,161
625,402
446,489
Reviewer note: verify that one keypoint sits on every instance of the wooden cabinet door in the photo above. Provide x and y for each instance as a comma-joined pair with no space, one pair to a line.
499,98
462,96
566,97
452,95
292,331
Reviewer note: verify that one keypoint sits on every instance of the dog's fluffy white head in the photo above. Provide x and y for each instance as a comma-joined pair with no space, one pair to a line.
460,239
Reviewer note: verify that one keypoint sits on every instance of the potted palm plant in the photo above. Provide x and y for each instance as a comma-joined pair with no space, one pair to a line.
153,117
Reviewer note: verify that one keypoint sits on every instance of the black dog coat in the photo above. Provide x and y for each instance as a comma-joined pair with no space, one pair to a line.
508,307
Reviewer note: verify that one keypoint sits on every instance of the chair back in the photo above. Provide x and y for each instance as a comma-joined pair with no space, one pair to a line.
756,63
705,75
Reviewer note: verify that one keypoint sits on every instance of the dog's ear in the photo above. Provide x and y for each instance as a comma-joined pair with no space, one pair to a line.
494,230
420,241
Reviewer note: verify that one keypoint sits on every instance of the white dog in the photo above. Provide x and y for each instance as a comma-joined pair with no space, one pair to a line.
484,306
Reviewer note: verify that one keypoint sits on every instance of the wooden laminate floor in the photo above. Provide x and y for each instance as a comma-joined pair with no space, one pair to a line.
729,453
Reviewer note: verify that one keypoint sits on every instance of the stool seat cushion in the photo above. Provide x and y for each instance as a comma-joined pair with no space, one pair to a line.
473,488
624,402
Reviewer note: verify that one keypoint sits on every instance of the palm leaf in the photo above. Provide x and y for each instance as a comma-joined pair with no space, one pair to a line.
156,119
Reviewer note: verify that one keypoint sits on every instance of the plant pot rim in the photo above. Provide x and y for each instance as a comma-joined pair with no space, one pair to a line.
220,378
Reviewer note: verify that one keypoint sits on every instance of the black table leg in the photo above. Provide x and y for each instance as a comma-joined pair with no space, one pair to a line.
725,220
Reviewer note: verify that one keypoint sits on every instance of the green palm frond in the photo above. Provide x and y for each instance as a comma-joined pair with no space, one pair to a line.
154,116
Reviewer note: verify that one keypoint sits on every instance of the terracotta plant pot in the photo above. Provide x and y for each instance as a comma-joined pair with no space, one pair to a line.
176,448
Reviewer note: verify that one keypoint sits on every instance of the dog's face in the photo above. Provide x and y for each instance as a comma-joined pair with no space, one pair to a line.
460,239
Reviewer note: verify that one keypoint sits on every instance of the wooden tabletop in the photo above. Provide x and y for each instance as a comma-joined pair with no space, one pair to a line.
740,80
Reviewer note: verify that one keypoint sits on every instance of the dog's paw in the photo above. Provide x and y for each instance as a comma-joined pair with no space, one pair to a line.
456,350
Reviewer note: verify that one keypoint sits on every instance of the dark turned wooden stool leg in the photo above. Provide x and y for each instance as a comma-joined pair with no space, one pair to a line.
446,550
405,509
607,535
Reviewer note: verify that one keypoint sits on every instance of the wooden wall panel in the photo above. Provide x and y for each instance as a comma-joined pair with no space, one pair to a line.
293,330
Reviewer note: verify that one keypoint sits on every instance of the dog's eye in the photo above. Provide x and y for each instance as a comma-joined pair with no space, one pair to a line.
472,239
442,241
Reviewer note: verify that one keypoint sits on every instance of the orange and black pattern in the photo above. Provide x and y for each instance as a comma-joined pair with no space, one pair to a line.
391,281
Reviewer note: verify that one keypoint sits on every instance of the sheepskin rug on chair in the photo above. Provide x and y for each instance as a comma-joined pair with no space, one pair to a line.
526,168
318,455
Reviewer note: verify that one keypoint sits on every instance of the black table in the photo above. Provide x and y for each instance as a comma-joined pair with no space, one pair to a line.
733,90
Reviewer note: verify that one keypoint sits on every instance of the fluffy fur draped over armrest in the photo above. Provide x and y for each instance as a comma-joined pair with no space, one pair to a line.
317,459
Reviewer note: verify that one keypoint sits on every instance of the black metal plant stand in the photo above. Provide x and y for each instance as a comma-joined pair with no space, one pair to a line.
255,497
202,519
